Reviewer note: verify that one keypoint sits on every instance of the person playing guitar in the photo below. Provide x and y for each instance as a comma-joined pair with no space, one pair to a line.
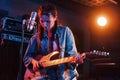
51,53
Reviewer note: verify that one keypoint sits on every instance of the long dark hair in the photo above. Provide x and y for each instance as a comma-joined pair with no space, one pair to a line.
45,10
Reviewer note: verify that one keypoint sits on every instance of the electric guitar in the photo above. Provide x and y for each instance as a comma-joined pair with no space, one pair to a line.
49,60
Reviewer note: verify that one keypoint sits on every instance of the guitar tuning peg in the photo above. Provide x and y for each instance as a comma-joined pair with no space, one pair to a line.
102,53
94,51
97,52
107,53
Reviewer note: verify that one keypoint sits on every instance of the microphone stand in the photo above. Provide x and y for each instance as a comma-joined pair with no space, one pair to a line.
19,76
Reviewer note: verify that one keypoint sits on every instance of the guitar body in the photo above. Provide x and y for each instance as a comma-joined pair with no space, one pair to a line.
41,59
28,75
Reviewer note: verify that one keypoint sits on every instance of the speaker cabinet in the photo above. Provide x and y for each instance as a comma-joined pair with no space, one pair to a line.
9,60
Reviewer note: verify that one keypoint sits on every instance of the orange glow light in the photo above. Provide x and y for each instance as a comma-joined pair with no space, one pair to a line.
102,21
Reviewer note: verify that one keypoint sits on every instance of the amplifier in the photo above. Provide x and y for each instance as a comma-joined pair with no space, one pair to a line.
13,25
13,37
11,29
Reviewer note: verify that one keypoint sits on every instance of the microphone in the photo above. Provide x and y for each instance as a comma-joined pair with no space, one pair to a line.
31,23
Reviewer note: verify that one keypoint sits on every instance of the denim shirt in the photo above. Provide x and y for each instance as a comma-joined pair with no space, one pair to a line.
67,48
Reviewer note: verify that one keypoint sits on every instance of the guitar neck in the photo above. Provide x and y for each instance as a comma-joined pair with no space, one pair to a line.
57,61
70,59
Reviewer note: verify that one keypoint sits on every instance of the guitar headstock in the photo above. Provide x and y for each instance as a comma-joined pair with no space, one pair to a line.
100,53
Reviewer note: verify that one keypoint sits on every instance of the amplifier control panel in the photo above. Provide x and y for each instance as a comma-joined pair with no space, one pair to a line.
14,37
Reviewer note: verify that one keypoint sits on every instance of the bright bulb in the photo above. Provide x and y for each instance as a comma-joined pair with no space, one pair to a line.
102,21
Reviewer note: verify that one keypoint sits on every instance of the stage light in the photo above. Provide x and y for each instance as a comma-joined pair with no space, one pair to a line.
102,21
